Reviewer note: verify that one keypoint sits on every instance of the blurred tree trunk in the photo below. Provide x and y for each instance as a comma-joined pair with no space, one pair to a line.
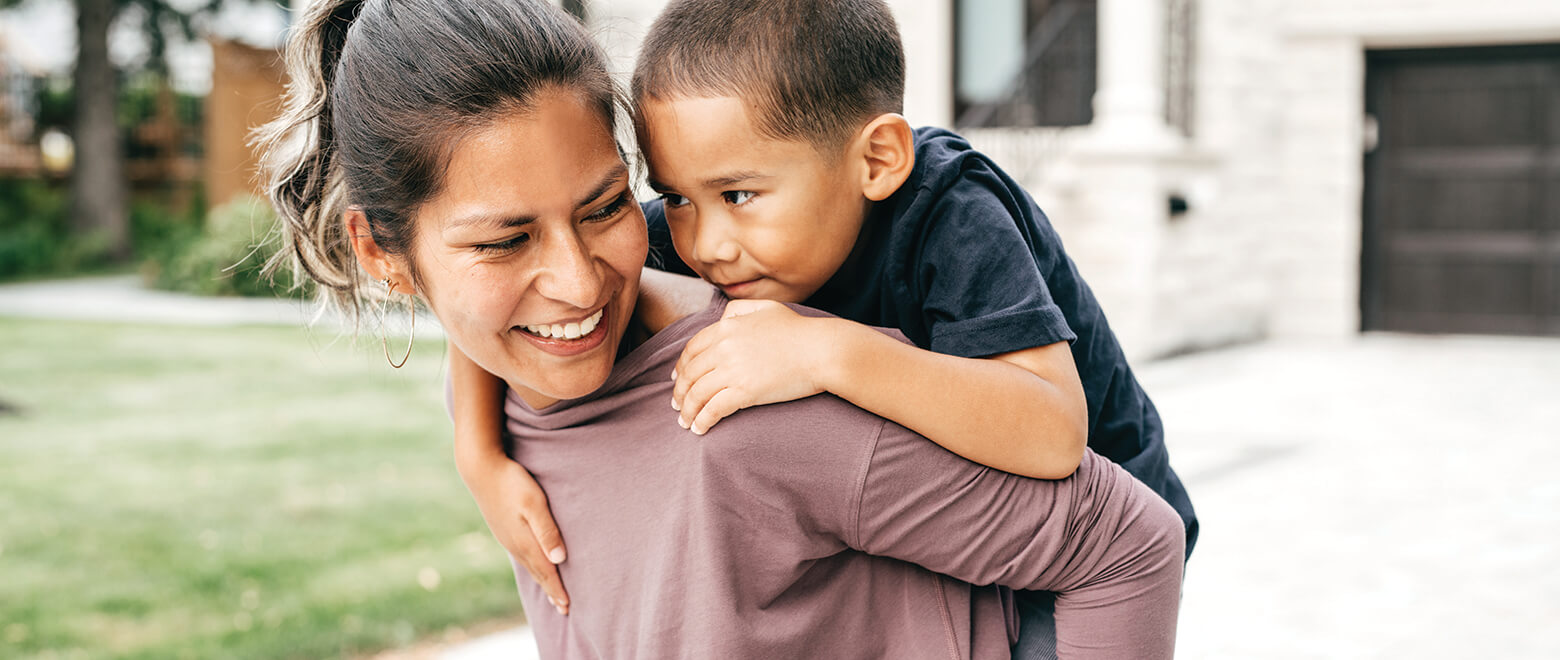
99,204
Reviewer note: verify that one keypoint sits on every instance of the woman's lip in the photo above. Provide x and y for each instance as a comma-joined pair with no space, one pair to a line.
570,347
579,319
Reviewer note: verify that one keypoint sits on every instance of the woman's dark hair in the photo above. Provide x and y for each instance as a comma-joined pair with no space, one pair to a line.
380,93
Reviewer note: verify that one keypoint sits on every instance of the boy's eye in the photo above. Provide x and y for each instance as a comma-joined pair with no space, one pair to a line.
673,199
504,246
737,197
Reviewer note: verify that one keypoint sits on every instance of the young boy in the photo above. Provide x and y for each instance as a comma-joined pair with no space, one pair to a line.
772,132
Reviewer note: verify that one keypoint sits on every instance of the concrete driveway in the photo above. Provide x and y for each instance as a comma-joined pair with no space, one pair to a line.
1389,497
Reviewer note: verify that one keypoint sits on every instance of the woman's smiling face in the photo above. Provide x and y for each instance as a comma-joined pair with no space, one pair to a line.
535,234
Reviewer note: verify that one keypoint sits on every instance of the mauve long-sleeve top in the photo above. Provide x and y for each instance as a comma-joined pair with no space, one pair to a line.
813,529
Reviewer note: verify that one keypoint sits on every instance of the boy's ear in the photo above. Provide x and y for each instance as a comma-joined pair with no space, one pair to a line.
887,144
376,262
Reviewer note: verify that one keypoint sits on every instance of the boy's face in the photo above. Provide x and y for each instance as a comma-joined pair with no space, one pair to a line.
758,217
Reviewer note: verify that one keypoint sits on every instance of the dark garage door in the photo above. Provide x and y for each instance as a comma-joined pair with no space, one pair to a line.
1462,192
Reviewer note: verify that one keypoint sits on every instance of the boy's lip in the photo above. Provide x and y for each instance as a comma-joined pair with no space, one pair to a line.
736,289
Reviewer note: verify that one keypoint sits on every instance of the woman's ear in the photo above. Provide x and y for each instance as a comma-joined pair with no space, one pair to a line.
888,147
379,264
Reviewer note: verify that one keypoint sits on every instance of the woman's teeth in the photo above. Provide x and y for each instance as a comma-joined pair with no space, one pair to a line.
566,330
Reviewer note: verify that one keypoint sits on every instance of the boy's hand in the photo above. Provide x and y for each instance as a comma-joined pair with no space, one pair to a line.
516,511
759,352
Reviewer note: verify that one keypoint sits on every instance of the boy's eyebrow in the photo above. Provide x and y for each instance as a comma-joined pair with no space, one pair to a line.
733,178
716,182
612,178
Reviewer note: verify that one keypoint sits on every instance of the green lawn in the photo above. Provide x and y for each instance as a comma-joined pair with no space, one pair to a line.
175,492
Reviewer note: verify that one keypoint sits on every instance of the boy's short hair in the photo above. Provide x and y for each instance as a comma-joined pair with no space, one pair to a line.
816,69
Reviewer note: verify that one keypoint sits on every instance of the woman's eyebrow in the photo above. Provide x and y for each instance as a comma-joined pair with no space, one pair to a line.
491,220
500,220
611,179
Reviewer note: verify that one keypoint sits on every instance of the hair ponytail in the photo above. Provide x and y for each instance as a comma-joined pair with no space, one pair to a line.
381,91
299,169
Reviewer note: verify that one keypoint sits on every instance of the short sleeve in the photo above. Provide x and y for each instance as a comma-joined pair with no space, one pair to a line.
981,283
922,504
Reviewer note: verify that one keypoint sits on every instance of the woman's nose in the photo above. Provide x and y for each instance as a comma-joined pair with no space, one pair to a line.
568,272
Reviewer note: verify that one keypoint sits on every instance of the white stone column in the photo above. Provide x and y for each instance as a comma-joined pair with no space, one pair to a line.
1129,101
1123,166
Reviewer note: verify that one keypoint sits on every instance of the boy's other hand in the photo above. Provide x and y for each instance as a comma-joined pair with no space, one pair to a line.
759,352
516,511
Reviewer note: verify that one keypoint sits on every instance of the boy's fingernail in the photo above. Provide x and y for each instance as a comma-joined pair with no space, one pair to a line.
697,431
674,374
676,406
682,422
560,609
556,556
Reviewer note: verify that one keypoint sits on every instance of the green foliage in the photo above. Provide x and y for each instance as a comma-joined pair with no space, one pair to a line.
157,229
34,238
226,258
56,103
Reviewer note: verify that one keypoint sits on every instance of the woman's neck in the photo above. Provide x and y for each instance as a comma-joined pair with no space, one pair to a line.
664,298
638,332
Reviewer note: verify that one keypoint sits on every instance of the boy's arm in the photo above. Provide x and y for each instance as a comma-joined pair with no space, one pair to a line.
1022,412
511,502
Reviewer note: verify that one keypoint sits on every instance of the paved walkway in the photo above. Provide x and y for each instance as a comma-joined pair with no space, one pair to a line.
1386,497
123,298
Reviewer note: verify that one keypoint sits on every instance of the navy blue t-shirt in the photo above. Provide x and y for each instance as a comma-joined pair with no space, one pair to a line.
963,262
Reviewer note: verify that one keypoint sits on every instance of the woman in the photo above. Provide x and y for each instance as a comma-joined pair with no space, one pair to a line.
463,152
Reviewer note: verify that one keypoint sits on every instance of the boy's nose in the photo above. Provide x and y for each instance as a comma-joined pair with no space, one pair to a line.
714,241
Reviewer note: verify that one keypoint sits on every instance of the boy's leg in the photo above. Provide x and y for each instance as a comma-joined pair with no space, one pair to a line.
1036,625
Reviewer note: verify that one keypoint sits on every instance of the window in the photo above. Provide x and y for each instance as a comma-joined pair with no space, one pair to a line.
1024,62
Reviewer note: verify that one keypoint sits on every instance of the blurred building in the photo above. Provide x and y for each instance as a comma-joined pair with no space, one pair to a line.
246,90
18,79
1224,170
190,128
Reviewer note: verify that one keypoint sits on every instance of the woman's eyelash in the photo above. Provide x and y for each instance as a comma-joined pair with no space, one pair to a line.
504,246
511,244
609,210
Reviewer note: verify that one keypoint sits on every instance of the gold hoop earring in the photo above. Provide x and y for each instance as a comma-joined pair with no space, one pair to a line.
384,340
